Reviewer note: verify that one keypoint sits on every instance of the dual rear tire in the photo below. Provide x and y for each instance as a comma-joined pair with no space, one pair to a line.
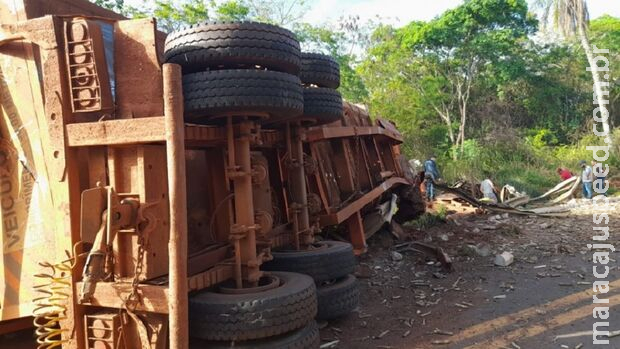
237,69
277,317
331,265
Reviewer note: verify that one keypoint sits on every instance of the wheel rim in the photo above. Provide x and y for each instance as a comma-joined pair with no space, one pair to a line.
317,246
269,282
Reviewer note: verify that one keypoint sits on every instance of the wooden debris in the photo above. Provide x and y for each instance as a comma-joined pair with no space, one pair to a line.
382,334
431,250
331,344
443,333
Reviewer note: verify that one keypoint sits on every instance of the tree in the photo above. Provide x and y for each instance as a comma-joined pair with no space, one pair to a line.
114,5
339,42
279,12
233,11
570,18
605,33
443,59
172,15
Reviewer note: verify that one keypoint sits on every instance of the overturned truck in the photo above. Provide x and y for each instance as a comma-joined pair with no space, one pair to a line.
180,204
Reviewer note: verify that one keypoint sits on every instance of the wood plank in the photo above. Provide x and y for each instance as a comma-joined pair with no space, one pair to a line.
148,130
154,298
211,277
355,206
151,184
116,132
136,66
323,133
356,233
342,165
177,194
16,325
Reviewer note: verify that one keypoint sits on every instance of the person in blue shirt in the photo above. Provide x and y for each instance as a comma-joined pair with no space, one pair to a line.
431,175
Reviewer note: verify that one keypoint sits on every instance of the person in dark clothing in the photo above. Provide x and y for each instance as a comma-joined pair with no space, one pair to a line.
431,175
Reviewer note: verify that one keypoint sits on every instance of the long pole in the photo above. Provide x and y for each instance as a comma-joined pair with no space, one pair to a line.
177,245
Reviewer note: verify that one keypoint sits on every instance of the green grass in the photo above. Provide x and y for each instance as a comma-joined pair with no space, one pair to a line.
430,219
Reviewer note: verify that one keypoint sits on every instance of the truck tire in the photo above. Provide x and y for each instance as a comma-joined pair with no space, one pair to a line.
237,317
233,45
327,261
322,104
304,338
213,93
338,298
320,70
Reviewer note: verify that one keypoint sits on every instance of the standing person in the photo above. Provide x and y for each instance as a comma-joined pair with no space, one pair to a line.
488,190
587,177
431,175
564,173
599,178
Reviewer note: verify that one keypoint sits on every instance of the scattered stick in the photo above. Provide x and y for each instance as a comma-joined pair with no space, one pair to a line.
330,344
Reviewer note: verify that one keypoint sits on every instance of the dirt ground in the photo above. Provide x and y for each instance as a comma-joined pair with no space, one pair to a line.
414,303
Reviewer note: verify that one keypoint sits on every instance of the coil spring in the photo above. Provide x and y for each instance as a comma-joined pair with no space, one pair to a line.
53,293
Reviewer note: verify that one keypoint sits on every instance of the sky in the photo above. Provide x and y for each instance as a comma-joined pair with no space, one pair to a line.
401,12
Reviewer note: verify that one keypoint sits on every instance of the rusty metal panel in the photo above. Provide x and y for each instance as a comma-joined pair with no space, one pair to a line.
323,154
12,11
139,84
355,115
343,166
87,67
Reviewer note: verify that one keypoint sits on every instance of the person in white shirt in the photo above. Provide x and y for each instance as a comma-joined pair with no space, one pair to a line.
587,177
488,190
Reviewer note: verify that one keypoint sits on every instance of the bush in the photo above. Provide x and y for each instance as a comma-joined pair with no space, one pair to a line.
528,163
